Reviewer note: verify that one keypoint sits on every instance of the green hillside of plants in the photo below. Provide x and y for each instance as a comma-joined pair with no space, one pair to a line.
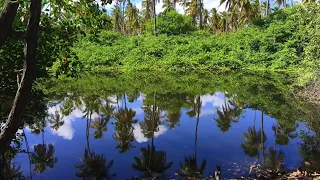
288,39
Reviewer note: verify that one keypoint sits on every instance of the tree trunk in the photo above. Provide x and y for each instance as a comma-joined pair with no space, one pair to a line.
200,11
14,119
267,8
8,13
154,18
284,3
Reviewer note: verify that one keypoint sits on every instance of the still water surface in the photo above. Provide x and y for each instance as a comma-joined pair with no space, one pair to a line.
191,129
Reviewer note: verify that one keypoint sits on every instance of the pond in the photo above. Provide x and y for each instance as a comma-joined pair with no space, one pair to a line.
143,124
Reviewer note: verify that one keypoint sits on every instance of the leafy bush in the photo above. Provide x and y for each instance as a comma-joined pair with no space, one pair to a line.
171,23
286,40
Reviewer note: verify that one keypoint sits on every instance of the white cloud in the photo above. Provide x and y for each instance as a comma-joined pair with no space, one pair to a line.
140,138
217,100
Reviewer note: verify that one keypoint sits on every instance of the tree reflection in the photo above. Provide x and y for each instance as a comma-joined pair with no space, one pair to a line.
151,162
100,126
124,129
253,140
173,118
56,120
8,169
274,159
43,157
283,133
190,168
228,115
94,166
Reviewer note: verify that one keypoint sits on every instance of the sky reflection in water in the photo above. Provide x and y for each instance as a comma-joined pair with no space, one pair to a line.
213,145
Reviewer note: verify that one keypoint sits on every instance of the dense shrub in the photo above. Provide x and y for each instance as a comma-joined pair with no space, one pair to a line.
171,23
286,40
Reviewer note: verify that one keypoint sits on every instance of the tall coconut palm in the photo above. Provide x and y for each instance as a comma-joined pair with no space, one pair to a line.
147,10
214,21
132,19
94,166
118,19
43,157
193,10
56,120
205,18
151,162
168,5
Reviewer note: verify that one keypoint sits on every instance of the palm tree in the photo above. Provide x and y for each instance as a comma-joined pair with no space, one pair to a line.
132,19
56,120
43,157
118,19
94,166
100,125
167,6
205,17
151,162
193,10
147,10
214,21
308,1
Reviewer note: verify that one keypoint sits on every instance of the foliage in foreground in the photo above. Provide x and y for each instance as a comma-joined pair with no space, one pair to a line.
285,40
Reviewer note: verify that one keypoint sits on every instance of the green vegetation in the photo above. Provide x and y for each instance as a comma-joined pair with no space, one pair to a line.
285,40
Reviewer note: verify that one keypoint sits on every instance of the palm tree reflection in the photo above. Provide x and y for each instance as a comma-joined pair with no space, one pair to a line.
43,157
94,166
124,129
151,162
190,168
228,115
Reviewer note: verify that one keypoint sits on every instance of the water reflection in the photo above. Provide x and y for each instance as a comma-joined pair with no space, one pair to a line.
179,129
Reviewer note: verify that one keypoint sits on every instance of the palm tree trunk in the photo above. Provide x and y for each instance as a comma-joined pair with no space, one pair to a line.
267,8
285,3
200,11
154,18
